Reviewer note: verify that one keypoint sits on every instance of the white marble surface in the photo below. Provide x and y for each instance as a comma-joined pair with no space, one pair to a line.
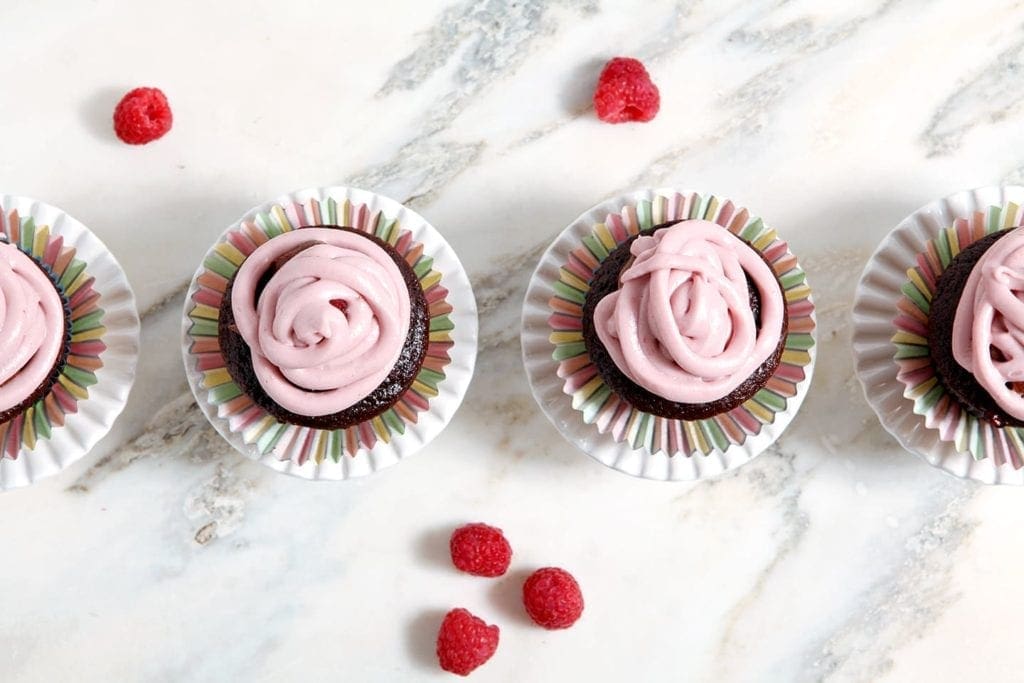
164,556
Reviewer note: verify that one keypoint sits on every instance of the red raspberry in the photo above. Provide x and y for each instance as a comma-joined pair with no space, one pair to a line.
553,598
142,116
464,642
625,92
480,550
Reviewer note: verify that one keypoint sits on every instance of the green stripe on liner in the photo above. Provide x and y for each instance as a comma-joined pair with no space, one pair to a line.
714,434
592,406
752,230
82,378
571,293
220,265
695,206
942,246
203,328
570,350
792,278
994,222
799,340
769,399
28,234
73,270
429,377
643,215
904,351
640,430
332,211
441,323
41,421
384,227
268,224
269,438
1013,434
394,423
595,247
224,393
87,322
914,295
334,440
423,266
932,397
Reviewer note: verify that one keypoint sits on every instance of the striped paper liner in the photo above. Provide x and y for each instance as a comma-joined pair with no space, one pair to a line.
611,414
76,286
288,442
941,411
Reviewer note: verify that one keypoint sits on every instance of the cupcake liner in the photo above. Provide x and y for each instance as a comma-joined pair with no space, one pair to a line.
422,411
571,392
891,351
93,382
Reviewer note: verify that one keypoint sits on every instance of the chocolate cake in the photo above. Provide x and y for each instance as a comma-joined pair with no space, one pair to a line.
238,356
605,281
958,381
44,387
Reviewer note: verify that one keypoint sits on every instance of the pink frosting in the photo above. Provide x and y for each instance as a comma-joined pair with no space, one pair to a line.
680,324
988,330
31,326
329,325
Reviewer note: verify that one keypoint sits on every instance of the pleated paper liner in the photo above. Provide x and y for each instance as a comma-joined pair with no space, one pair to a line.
941,411
890,337
422,411
93,382
592,416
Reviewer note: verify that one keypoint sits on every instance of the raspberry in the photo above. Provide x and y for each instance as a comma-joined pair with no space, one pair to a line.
142,116
553,598
480,550
625,92
464,642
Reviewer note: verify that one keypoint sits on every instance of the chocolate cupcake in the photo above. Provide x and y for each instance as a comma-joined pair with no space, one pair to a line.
35,331
330,333
68,340
324,327
688,356
975,328
669,334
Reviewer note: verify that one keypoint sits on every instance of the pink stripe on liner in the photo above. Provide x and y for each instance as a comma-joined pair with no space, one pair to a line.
82,293
241,242
775,251
1003,450
915,377
792,373
209,361
366,434
725,214
402,245
307,444
616,228
580,271
924,268
300,215
800,309
436,294
579,379
208,298
359,216
93,347
560,321
907,323
52,250
746,419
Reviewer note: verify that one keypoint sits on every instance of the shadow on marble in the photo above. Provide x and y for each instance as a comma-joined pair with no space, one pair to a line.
432,547
96,113
578,93
506,597
421,638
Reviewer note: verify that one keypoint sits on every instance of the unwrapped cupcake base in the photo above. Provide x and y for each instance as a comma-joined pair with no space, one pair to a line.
93,386
424,409
890,316
589,415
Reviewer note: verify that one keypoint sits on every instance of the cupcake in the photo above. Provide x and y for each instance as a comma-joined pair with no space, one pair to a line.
68,340
322,330
939,335
682,329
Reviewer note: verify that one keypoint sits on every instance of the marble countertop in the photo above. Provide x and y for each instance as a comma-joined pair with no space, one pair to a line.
836,556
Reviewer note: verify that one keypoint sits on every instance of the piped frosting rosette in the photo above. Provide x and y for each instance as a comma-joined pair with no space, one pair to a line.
68,340
988,337
674,358
326,328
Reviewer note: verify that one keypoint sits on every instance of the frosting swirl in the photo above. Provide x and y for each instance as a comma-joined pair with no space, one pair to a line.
31,326
330,323
988,328
680,325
